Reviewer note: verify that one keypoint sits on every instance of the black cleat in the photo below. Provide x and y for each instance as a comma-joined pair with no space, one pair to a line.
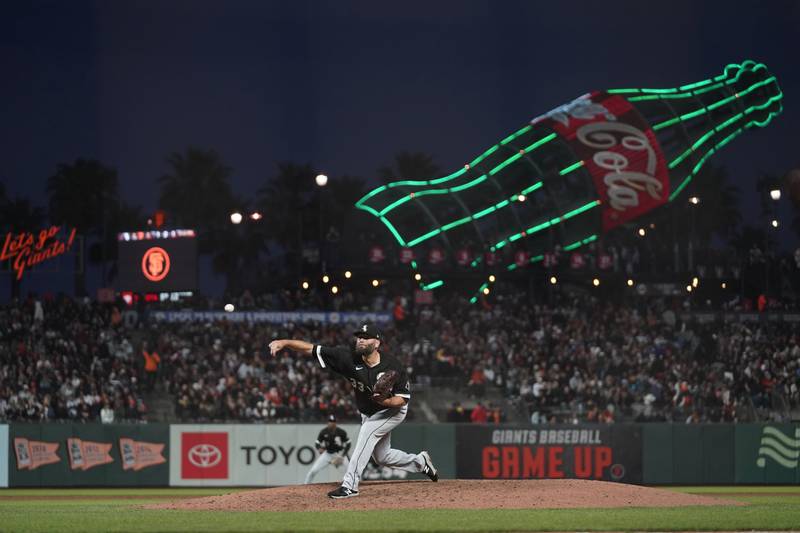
342,492
429,470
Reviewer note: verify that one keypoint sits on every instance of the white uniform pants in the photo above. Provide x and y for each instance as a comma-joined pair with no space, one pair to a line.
323,461
374,439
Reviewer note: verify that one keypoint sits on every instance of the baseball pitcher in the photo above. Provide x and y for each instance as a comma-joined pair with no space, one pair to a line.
382,394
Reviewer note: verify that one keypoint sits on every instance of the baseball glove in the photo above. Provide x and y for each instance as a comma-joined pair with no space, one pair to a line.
337,460
383,387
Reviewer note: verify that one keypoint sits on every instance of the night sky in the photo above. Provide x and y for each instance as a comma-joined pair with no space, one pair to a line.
345,85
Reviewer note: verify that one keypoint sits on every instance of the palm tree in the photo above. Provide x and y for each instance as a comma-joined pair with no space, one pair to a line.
339,217
342,194
196,193
282,199
17,215
123,217
409,166
83,195
791,188
237,254
718,213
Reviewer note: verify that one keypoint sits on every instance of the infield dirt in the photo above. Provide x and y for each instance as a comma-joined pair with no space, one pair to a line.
449,494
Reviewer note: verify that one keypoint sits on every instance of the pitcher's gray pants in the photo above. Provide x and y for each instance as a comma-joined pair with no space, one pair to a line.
374,439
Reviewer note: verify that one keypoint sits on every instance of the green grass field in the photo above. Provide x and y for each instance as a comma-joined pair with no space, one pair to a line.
91,510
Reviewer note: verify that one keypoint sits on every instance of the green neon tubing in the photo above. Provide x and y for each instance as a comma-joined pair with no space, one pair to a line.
547,224
458,188
393,231
745,64
410,196
697,92
476,216
491,209
715,148
467,185
713,106
537,258
530,189
454,175
434,285
432,233
578,244
504,164
570,168
456,223
675,162
540,142
515,135
380,215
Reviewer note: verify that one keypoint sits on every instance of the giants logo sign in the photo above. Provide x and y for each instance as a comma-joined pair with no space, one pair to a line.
155,264
204,456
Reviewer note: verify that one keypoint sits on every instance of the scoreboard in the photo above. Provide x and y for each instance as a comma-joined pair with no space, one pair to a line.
157,261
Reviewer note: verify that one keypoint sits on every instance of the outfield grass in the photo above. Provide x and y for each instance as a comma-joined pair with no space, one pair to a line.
157,493
764,512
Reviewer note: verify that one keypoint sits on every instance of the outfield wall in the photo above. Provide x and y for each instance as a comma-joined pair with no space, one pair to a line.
51,455
4,462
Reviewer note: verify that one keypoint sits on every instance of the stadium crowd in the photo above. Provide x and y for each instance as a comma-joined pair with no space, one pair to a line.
574,359
70,359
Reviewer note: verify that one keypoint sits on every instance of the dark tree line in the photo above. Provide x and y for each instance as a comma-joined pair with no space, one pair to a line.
196,191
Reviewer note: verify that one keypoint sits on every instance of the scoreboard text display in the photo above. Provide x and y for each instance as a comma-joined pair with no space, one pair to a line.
157,264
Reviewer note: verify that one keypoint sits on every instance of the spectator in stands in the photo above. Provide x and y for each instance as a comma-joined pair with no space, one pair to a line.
107,414
62,362
494,414
456,413
560,361
477,382
479,414
152,361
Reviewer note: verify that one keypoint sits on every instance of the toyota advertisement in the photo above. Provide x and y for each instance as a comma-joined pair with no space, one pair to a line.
242,455
610,453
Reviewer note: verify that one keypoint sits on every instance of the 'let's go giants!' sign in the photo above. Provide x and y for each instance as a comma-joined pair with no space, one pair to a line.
27,249
610,453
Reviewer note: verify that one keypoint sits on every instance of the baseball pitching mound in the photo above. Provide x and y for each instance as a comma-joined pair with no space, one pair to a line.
449,494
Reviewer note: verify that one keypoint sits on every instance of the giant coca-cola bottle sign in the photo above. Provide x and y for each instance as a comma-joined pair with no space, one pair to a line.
618,149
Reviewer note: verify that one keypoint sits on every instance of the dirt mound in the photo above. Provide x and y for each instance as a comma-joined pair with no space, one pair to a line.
449,494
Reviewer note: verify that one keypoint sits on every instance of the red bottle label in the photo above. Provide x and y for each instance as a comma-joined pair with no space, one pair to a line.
620,151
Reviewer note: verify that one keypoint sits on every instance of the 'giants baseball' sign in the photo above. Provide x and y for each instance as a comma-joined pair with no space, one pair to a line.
611,453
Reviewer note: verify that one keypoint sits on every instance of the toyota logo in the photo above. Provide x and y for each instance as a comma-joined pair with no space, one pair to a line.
204,455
